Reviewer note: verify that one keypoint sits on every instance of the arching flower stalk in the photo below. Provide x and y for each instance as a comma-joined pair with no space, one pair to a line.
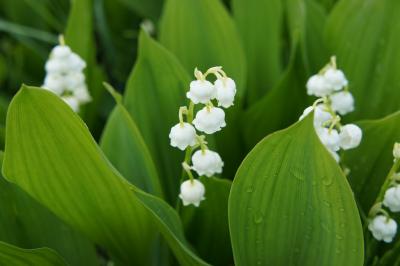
208,120
65,77
335,99
382,226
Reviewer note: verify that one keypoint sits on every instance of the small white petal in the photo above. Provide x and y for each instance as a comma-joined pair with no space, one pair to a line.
82,94
210,119
342,102
192,192
207,163
383,228
225,91
72,102
61,51
54,83
317,85
392,198
321,115
335,79
74,80
182,136
350,136
201,91
330,138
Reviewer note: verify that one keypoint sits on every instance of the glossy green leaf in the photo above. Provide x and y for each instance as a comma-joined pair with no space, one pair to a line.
154,93
124,146
51,155
290,204
15,256
365,37
370,163
202,34
260,24
211,219
27,224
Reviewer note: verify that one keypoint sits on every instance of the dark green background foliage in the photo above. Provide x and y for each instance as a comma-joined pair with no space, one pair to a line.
103,186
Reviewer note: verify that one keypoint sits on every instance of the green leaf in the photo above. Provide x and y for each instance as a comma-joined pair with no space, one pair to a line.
202,34
290,204
12,255
260,24
364,36
370,162
147,9
211,219
124,146
153,95
27,224
280,107
52,156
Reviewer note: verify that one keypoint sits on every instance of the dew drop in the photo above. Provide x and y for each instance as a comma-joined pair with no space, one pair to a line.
327,181
258,218
341,209
250,189
337,251
339,237
327,203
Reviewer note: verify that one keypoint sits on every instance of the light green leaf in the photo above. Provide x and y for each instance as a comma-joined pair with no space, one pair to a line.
260,24
15,256
124,146
211,219
202,34
153,95
370,162
365,37
290,204
51,155
27,224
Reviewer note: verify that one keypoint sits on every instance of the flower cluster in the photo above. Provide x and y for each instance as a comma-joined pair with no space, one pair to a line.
64,76
209,119
381,225
330,85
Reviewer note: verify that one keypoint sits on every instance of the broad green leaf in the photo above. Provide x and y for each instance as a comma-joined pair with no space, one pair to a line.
15,256
124,146
52,156
280,107
364,36
260,24
202,34
27,224
147,9
370,163
211,219
79,35
290,204
154,93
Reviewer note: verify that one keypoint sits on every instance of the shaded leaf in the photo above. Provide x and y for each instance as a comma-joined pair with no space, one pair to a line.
290,204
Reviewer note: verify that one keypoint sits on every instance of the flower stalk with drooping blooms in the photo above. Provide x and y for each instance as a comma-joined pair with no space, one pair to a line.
209,119
331,85
65,77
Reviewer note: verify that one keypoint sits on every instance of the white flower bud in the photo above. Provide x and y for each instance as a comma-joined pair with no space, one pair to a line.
342,102
392,198
201,91
396,151
226,90
75,63
182,136
74,80
210,119
350,136
317,85
72,102
383,228
321,115
192,192
306,112
335,79
54,83
330,138
82,94
54,66
61,51
207,163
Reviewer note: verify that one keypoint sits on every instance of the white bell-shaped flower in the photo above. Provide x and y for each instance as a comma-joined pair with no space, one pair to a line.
321,115
225,91
335,79
209,119
330,138
396,151
383,228
72,102
82,94
192,192
75,63
317,85
392,198
182,136
74,80
61,51
55,66
201,91
206,162
350,136
342,102
55,83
